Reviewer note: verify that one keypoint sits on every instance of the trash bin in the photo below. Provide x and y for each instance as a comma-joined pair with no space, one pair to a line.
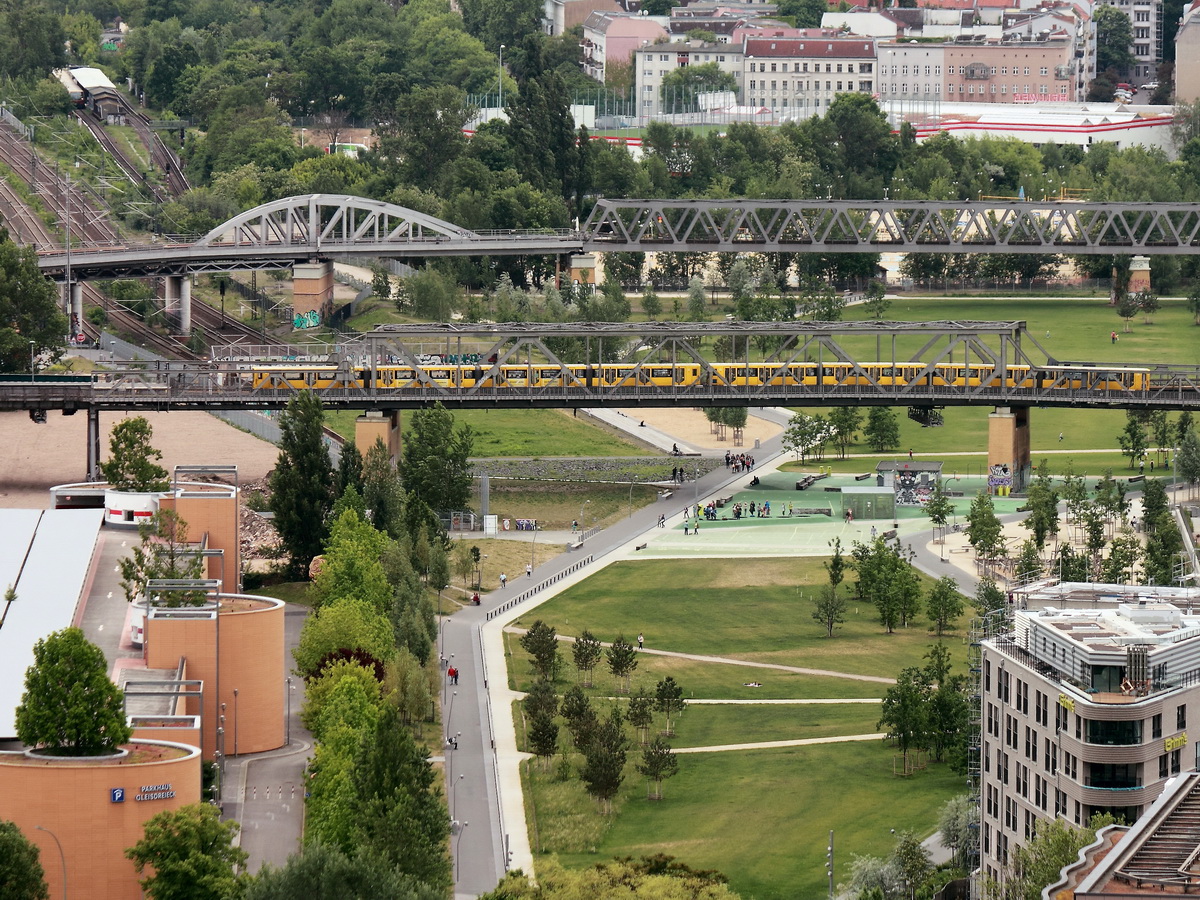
757,443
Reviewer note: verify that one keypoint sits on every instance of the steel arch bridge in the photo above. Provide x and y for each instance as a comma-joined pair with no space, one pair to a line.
321,226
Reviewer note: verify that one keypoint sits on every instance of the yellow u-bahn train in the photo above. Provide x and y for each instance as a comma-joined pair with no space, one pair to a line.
1068,376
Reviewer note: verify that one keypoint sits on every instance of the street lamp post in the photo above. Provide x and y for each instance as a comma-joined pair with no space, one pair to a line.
289,709
829,863
62,856
32,366
533,547
450,711
632,482
500,102
457,841
235,721
454,792
582,522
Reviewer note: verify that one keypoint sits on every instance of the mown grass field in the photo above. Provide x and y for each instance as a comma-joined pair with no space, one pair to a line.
759,610
761,817
529,433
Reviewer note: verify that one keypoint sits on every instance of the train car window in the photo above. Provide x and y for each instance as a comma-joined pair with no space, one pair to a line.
548,374
662,372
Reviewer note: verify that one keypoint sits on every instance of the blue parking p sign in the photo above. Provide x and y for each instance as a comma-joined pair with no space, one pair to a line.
117,795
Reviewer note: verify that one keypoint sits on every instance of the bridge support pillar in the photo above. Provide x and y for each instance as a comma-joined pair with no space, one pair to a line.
185,304
312,294
1008,449
93,444
374,426
177,300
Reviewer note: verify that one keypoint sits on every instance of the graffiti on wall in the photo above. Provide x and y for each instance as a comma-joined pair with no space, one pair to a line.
310,319
1000,476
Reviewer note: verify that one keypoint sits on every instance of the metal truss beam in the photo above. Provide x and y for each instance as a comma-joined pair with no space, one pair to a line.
872,226
320,226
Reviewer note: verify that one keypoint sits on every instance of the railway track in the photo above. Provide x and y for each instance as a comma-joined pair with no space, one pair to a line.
88,223
128,168
161,155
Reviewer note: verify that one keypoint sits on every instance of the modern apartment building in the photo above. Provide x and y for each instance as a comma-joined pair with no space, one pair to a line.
1082,712
1146,18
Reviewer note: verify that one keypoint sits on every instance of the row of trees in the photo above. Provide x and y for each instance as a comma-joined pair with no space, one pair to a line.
602,742
809,434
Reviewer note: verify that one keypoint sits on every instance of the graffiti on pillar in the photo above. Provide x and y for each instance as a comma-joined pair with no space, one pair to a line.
310,319
1000,476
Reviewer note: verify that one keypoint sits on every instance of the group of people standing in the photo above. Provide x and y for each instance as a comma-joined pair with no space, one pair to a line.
739,462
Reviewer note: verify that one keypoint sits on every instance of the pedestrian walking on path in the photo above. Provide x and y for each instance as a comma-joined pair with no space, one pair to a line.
528,570
503,581
640,640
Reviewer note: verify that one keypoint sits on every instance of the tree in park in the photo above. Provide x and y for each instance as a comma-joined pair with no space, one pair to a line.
1148,304
844,420
1124,553
875,299
1127,308
349,628
464,565
1029,563
887,580
399,812
1187,460
668,700
958,824
651,304
130,465
350,469
1132,438
1162,431
164,553
939,507
905,712
807,435
586,653
830,606
658,763
543,738
541,643
191,855
581,719
1183,425
383,494
990,599
1042,504
352,565
1193,304
622,660
1039,861
883,429
604,761
437,465
640,714
302,481
984,531
695,298
21,874
28,301
945,603
324,872
70,707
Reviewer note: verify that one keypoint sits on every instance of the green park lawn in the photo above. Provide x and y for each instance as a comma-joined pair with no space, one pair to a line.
759,610
761,817
523,433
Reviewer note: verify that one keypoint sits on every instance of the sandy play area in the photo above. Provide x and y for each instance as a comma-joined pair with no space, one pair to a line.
692,429
34,457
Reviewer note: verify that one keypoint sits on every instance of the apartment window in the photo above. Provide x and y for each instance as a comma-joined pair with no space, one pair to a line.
828,68
649,89
1005,687
1053,759
720,59
1078,814
937,70
1028,824
1078,718
839,85
1162,766
1156,726
1175,761
773,85
805,67
1043,88
829,85
753,84
665,58
784,69
1045,71
987,838
927,70
648,73
993,70
1004,71
1027,70
850,68
1181,717
904,70
773,69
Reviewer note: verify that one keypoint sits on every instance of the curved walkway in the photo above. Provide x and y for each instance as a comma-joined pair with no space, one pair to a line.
775,745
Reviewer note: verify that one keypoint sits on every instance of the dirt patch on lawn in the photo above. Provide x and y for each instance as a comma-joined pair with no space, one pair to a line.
693,429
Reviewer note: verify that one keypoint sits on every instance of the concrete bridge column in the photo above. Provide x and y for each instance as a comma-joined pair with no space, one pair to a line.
185,304
374,426
93,444
1008,449
312,294
170,294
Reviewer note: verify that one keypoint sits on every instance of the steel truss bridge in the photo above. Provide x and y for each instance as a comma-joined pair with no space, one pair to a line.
321,226
867,352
